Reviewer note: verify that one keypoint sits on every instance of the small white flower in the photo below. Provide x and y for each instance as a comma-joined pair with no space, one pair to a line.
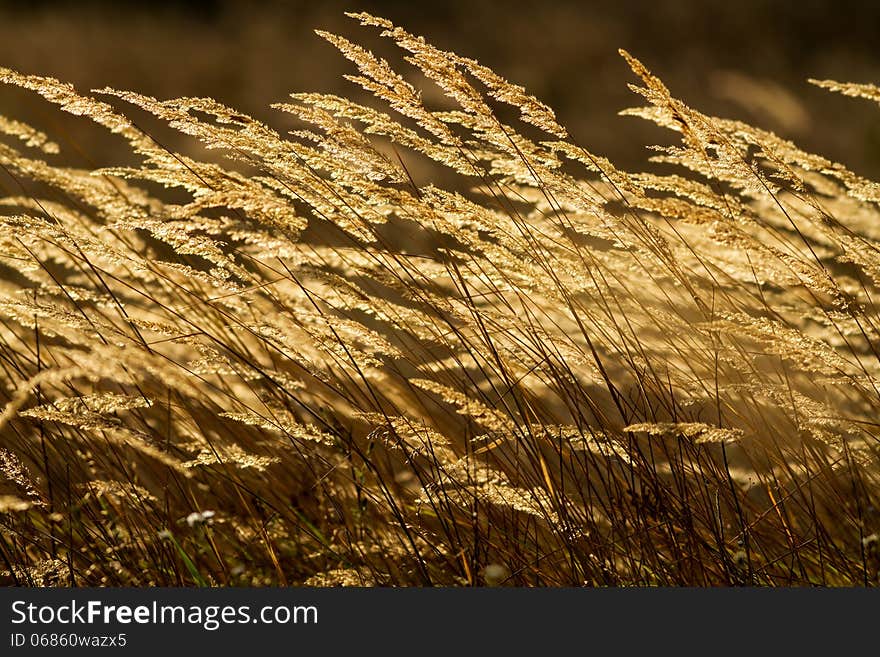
199,518
495,574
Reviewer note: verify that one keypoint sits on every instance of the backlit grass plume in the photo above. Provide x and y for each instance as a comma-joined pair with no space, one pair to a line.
407,344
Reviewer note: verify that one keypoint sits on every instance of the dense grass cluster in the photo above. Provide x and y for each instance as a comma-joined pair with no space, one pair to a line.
435,345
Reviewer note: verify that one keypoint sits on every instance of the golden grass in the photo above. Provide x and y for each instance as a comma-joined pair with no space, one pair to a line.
302,361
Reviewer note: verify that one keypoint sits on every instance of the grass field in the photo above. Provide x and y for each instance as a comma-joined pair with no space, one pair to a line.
431,338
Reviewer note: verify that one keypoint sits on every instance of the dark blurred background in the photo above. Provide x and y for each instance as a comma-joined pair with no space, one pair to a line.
746,59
